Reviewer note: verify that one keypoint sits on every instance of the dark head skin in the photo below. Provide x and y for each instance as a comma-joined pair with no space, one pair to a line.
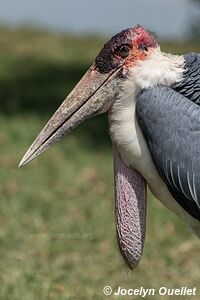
125,48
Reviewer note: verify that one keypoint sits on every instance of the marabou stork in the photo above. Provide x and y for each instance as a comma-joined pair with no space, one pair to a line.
152,99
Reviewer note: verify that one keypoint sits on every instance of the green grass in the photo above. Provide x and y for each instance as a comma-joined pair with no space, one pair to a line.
67,194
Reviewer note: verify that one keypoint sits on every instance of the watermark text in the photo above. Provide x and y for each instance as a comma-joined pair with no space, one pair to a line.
144,292
61,235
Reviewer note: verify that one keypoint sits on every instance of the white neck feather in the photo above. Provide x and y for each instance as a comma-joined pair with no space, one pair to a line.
158,69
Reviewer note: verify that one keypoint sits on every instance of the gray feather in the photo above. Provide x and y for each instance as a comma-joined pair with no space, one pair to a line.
171,126
189,86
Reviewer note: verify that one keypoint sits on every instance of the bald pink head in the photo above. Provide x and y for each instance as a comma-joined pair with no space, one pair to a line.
143,37
125,48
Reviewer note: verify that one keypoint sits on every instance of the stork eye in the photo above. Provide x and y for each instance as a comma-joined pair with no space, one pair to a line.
144,47
123,51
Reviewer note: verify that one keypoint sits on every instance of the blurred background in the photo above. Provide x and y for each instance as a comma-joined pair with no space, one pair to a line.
57,226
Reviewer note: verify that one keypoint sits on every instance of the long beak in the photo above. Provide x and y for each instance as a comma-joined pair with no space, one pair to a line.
92,95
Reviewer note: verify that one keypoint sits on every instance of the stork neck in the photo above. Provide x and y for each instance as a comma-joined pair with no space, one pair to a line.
159,69
123,123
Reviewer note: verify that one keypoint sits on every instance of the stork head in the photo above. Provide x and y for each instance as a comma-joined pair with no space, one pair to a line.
125,49
98,88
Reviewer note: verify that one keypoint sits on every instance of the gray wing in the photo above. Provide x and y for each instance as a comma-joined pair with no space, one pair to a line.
189,85
171,126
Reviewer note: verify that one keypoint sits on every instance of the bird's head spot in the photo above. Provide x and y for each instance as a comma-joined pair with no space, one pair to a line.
125,49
